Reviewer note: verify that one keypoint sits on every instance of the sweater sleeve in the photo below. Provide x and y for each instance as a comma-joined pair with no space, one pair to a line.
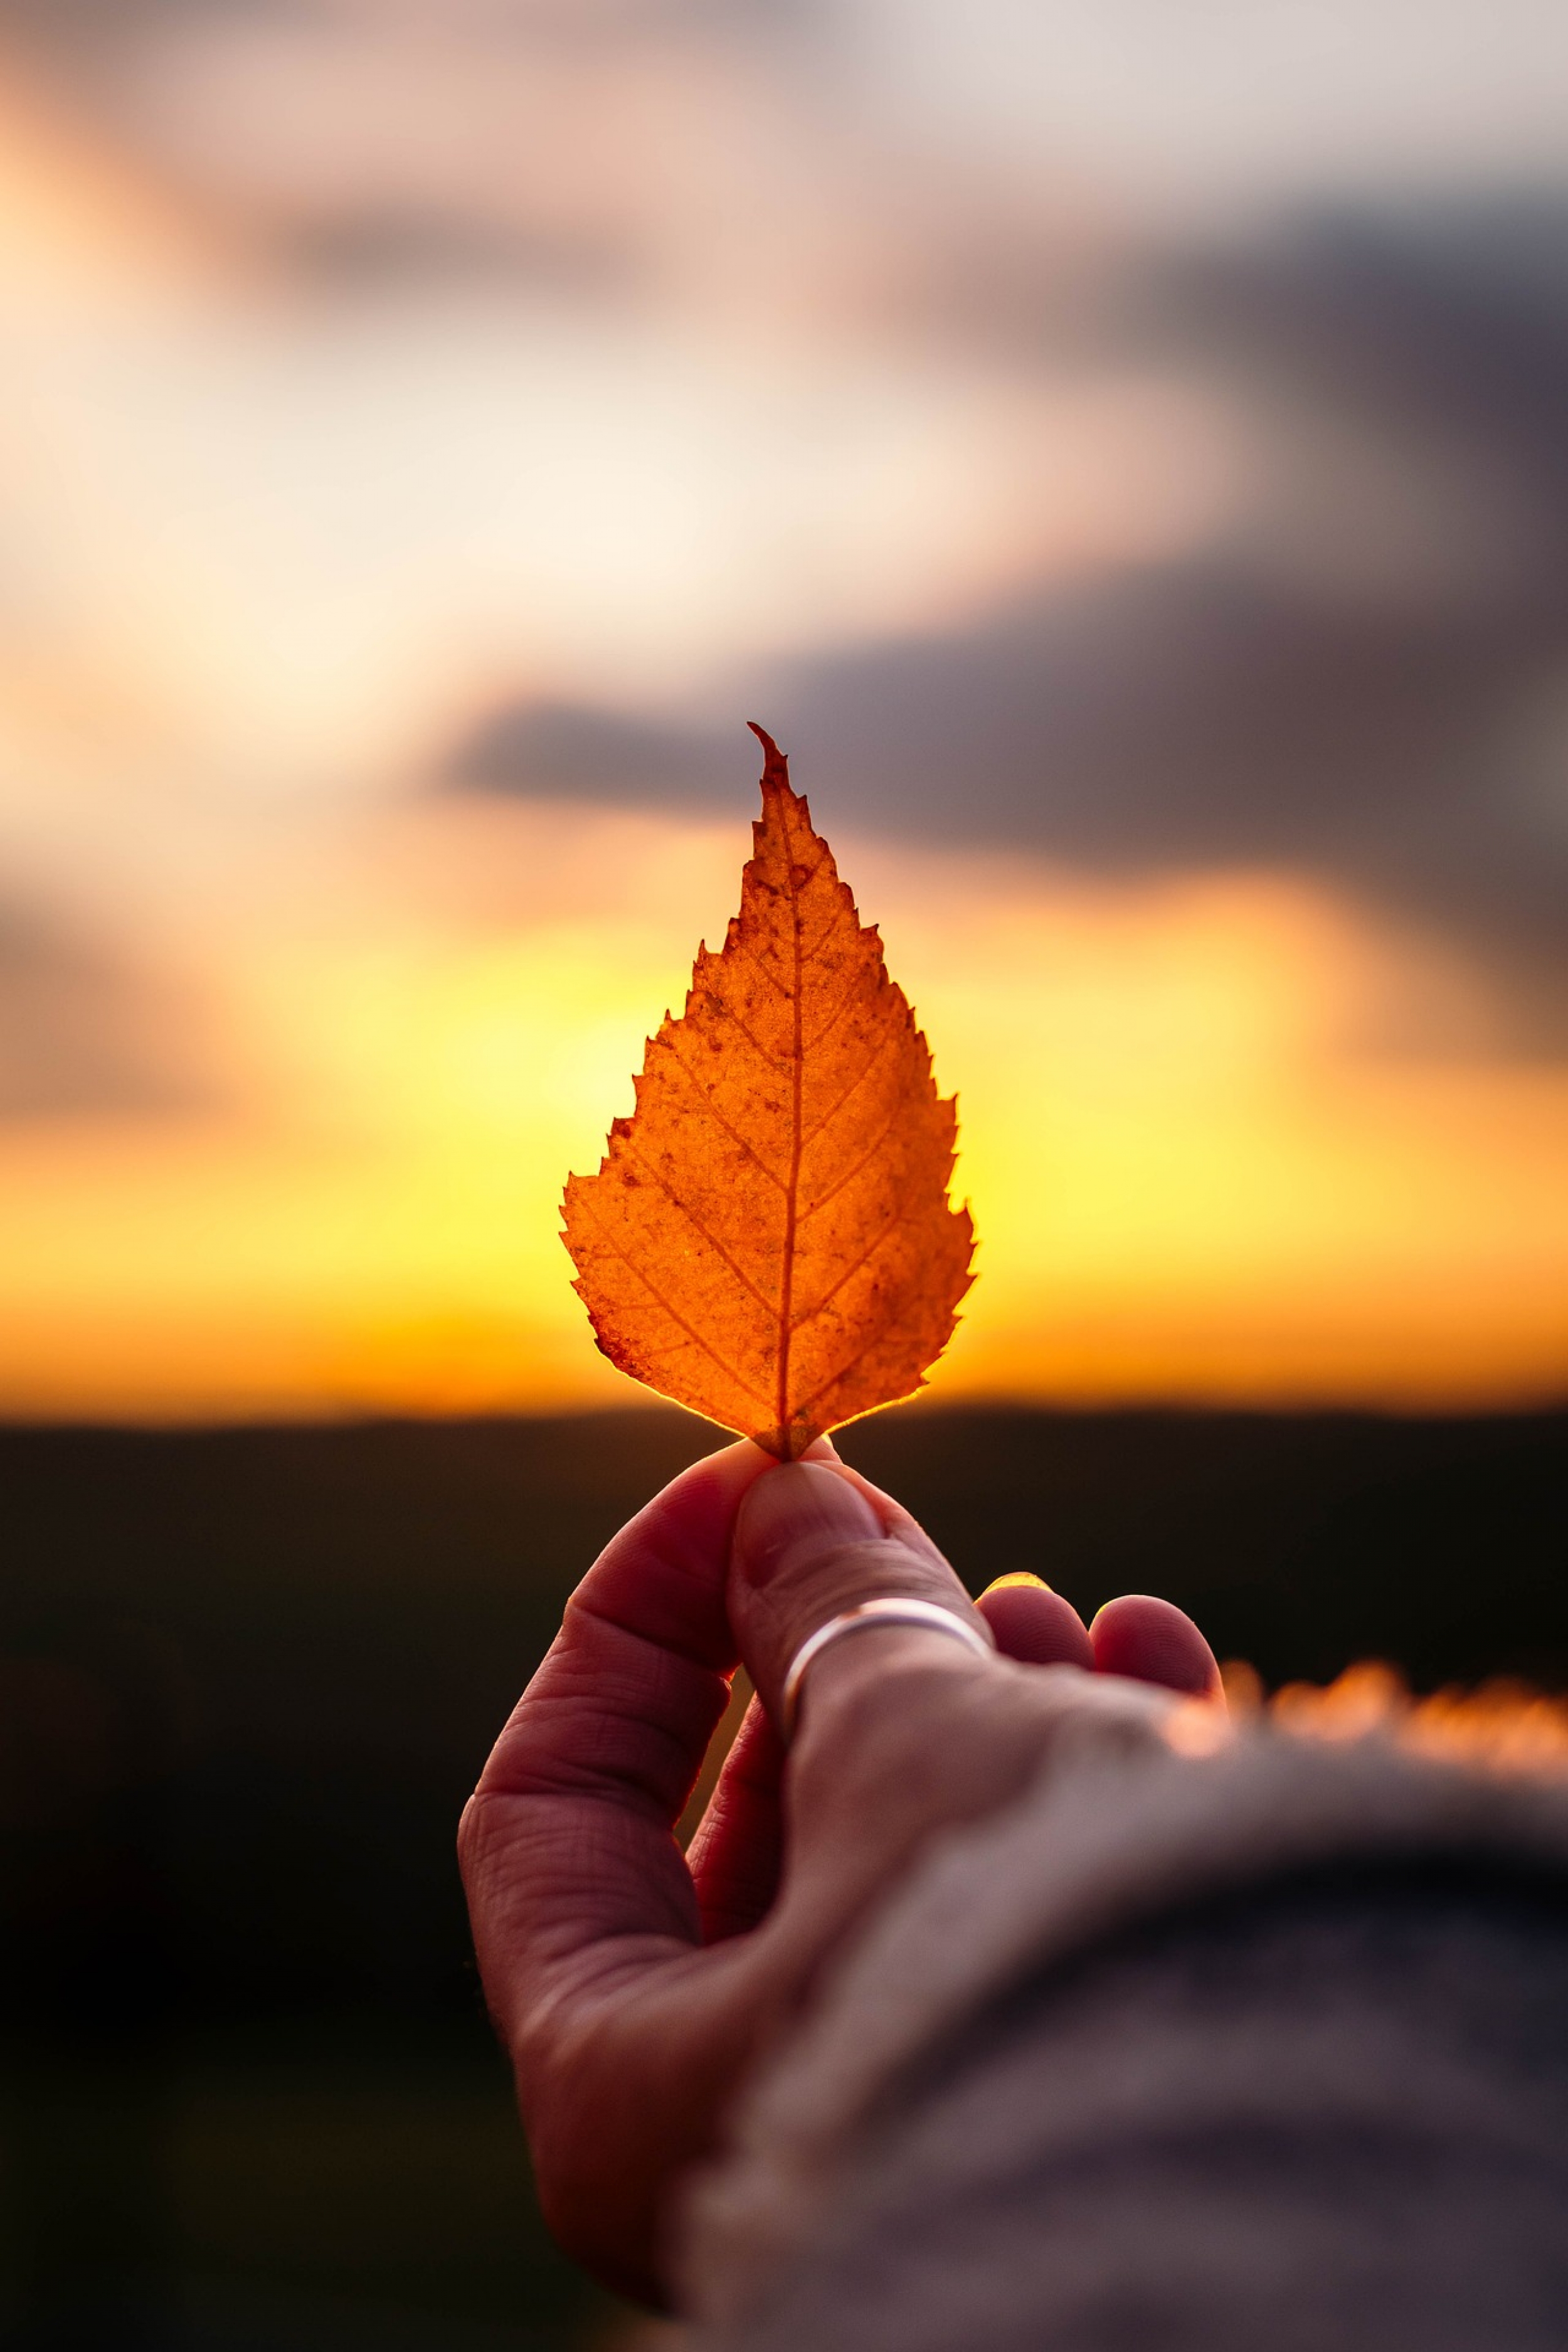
1270,2047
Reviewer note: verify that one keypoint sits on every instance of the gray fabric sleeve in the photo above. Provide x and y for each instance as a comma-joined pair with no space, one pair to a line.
1323,2118
1266,2049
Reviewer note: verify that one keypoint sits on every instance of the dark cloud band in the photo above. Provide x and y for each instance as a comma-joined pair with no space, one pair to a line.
1411,744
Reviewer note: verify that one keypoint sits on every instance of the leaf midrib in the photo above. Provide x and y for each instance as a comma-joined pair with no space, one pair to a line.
792,1194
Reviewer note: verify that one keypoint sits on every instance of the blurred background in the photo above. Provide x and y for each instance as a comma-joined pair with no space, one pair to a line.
1120,454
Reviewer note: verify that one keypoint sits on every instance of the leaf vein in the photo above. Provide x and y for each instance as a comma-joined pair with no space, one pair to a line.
900,1217
839,1010
842,1373
852,1172
809,955
679,1320
733,1132
864,1072
748,1033
765,968
697,1226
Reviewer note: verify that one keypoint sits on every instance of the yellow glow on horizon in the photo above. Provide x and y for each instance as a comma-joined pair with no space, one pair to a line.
272,549
1194,1171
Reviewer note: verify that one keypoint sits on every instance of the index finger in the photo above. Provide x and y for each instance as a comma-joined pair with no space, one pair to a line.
565,1843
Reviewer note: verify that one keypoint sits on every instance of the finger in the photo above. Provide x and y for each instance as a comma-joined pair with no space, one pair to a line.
810,1543
895,1519
735,1856
1035,1625
566,1841
1152,1641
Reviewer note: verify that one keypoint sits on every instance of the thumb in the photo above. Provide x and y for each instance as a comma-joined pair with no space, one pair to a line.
809,1543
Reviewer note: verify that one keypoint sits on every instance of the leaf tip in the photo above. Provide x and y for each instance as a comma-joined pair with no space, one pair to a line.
775,763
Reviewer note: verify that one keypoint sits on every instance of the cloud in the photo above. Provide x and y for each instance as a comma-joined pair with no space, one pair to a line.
84,1035
583,148
1368,679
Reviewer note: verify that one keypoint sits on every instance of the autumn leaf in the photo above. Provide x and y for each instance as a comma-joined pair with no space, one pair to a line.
769,1238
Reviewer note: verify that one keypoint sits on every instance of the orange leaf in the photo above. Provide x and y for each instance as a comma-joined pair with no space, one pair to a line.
768,1239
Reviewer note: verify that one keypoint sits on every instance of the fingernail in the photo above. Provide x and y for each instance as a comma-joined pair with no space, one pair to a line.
800,1505
1015,1577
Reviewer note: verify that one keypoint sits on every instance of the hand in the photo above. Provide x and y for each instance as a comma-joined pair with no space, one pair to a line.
635,1988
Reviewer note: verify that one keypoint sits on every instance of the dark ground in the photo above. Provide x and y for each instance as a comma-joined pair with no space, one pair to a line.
247,1676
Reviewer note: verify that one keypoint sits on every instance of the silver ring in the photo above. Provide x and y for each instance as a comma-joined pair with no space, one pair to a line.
892,1609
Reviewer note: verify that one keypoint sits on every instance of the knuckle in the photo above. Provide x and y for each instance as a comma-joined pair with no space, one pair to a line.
859,1742
812,1581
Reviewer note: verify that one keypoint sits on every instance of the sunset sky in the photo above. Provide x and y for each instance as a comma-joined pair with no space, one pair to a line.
1129,477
